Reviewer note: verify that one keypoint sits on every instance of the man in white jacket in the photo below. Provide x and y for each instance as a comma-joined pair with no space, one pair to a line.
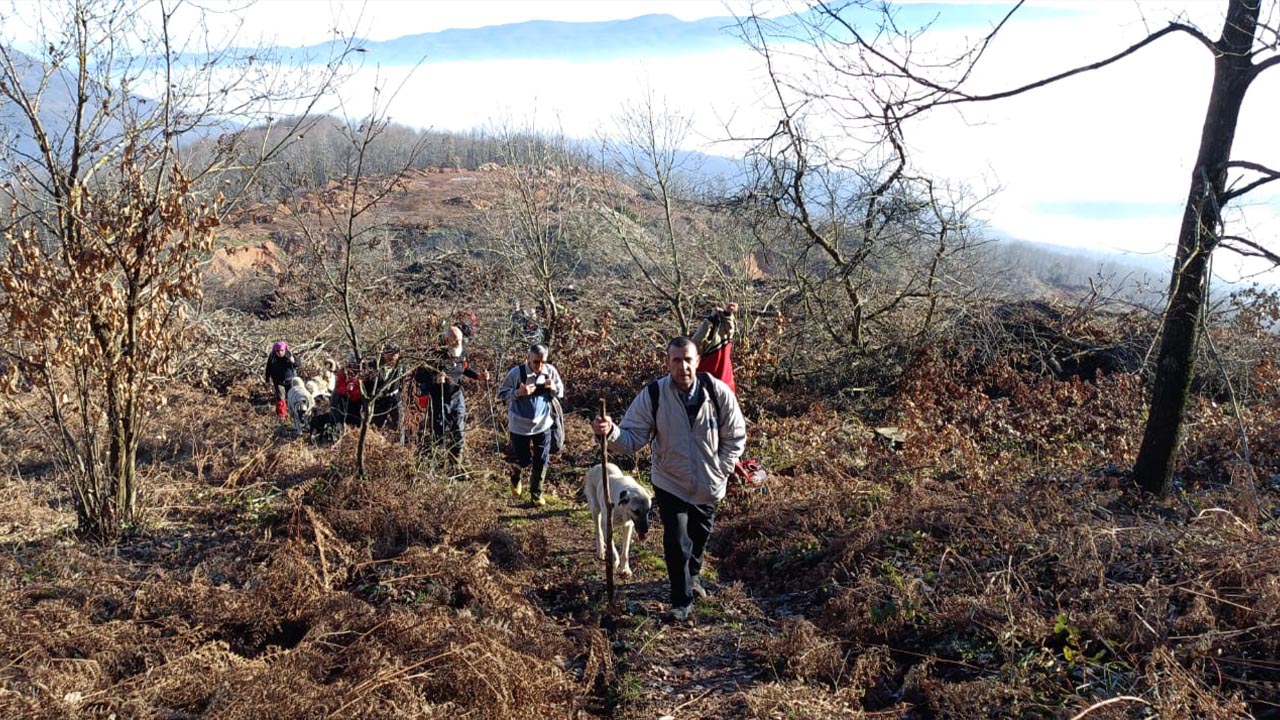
698,433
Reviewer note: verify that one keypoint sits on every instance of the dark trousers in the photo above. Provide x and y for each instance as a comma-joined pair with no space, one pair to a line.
531,449
448,422
535,450
386,412
685,529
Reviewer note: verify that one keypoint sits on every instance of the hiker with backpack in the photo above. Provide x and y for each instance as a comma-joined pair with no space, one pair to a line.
698,433
440,392
282,368
532,391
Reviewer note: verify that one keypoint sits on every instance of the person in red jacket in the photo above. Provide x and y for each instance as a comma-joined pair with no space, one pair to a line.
348,396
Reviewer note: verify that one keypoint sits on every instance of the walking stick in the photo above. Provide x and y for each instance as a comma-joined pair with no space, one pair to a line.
608,519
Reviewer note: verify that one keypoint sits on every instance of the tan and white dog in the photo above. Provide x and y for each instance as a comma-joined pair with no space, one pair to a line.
322,385
631,505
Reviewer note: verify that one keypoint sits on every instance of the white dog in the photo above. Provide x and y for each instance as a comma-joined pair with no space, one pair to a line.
322,385
300,405
631,505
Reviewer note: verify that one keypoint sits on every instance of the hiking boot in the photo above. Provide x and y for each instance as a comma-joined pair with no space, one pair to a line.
680,613
696,588
536,479
516,486
540,501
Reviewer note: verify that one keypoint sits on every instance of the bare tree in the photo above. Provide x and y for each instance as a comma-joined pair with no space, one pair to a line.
540,221
93,320
108,217
873,75
349,263
673,251
1245,49
865,238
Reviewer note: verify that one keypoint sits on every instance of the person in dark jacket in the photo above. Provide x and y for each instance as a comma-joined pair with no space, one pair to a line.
282,368
440,393
385,389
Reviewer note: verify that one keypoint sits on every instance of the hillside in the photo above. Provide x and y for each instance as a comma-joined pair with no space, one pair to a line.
649,35
444,202
991,561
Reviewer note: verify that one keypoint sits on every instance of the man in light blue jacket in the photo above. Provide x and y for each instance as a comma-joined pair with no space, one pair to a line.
528,390
697,433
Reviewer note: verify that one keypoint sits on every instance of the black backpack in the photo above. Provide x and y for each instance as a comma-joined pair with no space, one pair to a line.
557,416
704,385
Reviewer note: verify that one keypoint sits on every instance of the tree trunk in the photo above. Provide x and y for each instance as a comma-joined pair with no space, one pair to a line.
1197,238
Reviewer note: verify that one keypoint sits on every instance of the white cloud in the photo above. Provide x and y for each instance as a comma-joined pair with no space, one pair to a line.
1099,161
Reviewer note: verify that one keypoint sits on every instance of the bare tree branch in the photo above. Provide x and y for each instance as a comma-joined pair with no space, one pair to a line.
1265,65
950,93
1250,249
1268,174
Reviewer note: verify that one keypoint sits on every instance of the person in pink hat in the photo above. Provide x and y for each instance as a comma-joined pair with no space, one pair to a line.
282,368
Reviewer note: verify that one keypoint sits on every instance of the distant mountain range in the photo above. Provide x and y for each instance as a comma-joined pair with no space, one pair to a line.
55,106
542,39
644,36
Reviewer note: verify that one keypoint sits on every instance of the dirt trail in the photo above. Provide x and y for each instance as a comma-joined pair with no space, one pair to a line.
696,669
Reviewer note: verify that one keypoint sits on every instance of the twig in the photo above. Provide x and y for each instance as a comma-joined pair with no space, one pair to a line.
1250,488
1110,701
374,683
257,459
1201,516
688,702
14,661
402,578
319,535
1217,598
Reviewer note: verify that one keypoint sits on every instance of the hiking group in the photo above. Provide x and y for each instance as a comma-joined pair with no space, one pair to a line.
690,418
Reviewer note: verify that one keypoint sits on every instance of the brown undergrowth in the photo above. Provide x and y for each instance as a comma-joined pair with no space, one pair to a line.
999,564
283,587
